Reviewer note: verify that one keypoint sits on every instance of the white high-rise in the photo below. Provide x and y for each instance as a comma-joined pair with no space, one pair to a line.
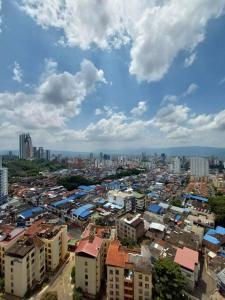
176,165
3,183
26,149
199,167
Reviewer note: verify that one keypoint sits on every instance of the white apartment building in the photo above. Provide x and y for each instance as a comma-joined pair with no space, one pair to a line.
24,266
199,167
3,183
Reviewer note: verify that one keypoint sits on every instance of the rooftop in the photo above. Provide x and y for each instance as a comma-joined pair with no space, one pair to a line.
186,258
23,246
89,247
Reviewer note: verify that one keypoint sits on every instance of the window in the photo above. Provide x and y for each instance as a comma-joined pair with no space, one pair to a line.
117,286
12,284
110,271
140,276
117,293
140,283
111,292
12,263
86,270
146,278
32,255
12,291
117,279
86,276
140,291
86,283
146,285
86,263
117,272
140,298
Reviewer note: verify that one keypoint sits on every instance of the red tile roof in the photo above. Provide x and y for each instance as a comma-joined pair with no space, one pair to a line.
186,258
116,255
88,247
34,228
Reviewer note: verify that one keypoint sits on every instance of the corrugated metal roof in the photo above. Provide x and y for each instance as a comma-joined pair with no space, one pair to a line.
211,239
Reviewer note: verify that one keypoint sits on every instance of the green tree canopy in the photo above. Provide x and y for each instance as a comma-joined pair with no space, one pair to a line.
217,205
169,283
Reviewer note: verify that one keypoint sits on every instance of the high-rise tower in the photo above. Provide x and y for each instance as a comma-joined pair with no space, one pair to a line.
26,149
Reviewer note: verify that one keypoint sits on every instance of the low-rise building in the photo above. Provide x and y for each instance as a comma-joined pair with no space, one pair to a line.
130,227
188,260
24,266
129,274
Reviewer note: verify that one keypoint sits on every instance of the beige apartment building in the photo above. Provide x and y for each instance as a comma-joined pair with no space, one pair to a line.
130,227
129,274
55,240
8,237
89,258
24,266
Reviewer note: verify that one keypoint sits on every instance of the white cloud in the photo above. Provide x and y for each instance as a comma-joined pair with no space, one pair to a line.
58,98
190,60
17,72
157,30
174,98
105,110
139,109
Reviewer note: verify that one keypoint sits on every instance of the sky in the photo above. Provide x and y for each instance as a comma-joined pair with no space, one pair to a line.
86,75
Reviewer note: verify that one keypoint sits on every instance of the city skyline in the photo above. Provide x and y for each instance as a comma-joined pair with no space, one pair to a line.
112,82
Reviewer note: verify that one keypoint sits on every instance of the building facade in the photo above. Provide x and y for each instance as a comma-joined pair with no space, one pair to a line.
199,167
24,266
130,227
25,145
3,183
129,274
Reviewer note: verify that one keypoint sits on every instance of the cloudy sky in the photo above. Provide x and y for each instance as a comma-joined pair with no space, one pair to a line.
86,75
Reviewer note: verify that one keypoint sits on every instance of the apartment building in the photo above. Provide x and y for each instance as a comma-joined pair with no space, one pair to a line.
24,266
129,274
89,258
55,240
8,237
130,227
188,260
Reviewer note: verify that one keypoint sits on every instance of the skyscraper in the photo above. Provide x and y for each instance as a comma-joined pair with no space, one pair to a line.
26,149
199,167
176,165
3,183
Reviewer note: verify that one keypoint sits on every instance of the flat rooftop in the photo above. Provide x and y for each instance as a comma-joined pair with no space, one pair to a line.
21,248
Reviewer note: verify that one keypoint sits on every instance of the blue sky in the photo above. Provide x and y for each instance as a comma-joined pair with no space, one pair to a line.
86,75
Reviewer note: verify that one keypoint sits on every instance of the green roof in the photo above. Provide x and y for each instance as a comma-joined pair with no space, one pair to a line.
138,195
72,242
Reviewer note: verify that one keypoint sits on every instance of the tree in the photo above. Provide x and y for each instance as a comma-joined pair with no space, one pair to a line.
73,275
217,205
2,284
169,282
50,296
77,294
176,202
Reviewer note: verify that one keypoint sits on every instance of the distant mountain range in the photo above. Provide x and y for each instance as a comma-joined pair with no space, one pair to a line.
173,151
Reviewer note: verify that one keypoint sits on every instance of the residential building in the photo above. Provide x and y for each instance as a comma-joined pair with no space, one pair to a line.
199,167
25,143
89,258
129,274
3,183
130,227
214,239
140,200
9,235
176,165
55,240
24,266
188,260
122,199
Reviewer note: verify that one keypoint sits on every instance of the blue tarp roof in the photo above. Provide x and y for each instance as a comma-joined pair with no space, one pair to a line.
177,218
79,211
69,199
87,188
211,232
211,239
101,201
29,213
194,197
155,208
220,230
85,214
